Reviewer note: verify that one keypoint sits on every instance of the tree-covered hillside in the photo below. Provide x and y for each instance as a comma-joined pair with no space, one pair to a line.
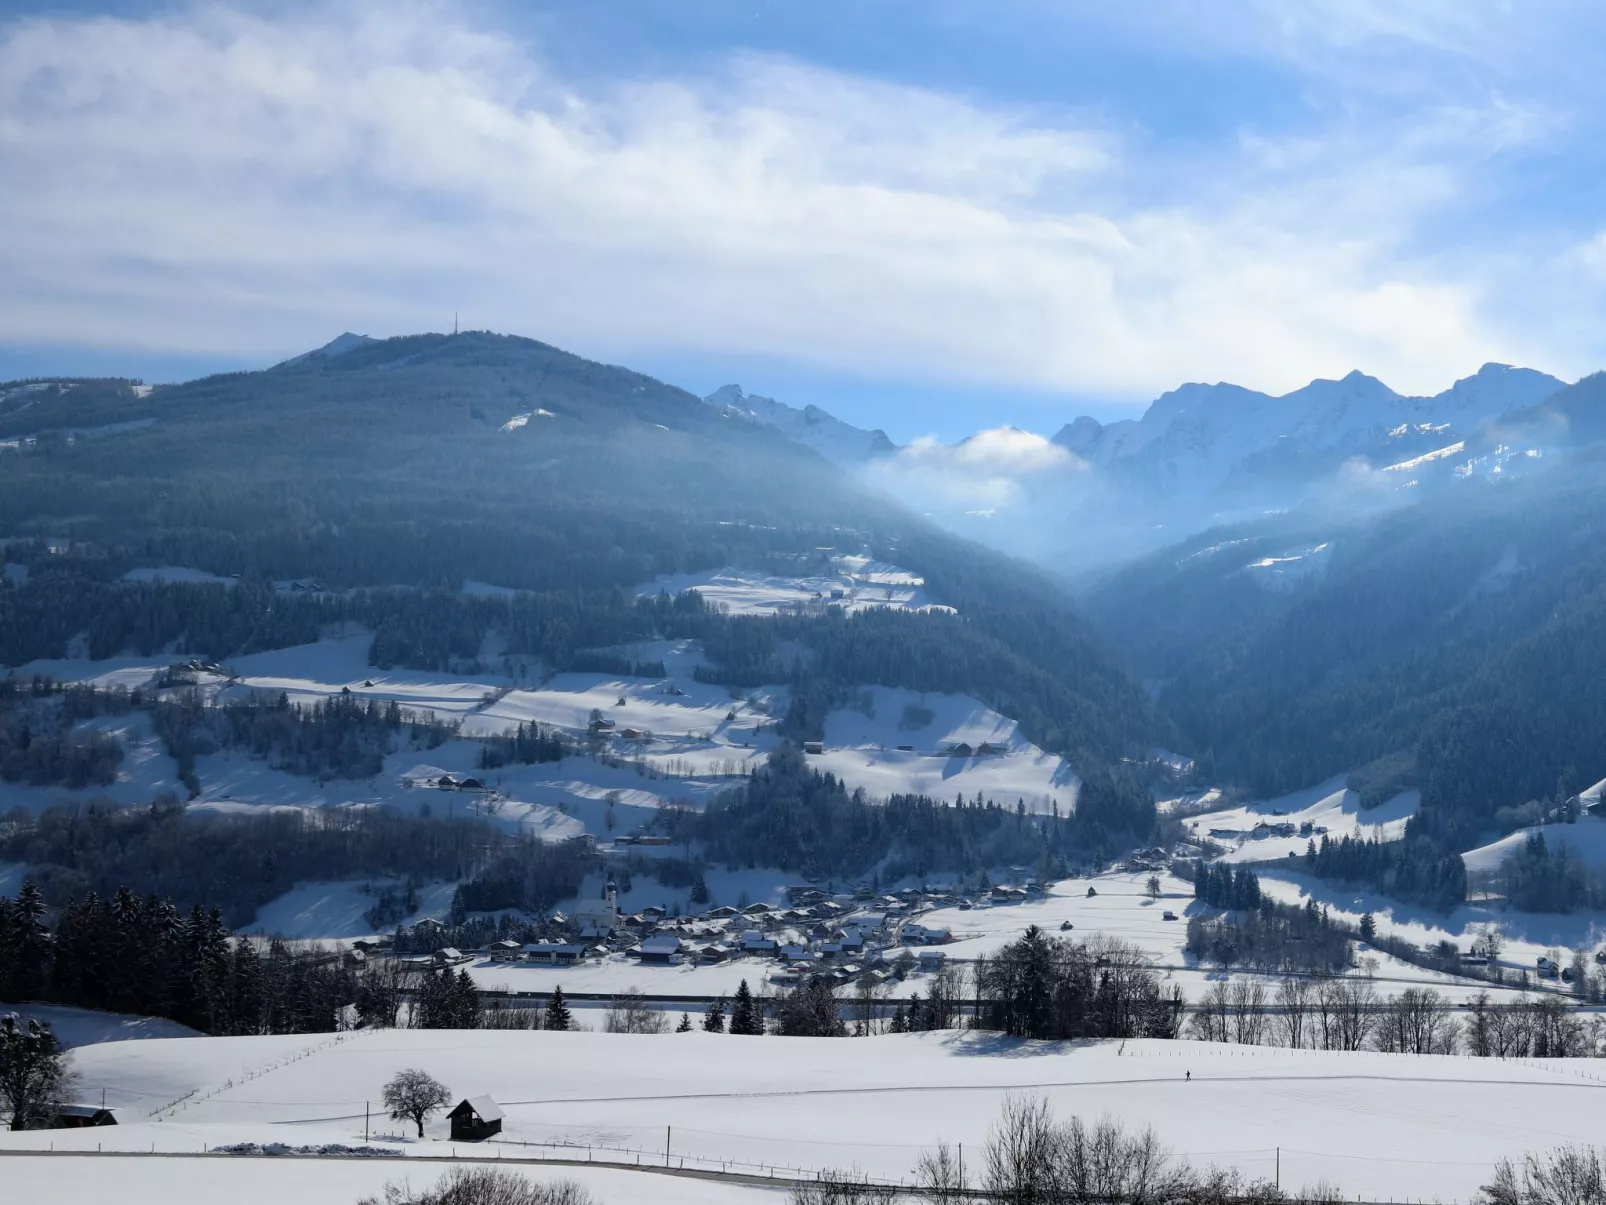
386,473
1458,645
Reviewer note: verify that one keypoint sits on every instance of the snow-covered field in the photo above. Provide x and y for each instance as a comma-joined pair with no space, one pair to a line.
132,1180
692,739
1122,909
1586,840
88,1026
1329,804
1527,935
1381,1126
854,583
330,911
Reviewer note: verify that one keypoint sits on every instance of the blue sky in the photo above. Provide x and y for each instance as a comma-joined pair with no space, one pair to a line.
924,215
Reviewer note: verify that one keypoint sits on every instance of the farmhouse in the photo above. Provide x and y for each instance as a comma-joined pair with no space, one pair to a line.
551,953
505,951
661,947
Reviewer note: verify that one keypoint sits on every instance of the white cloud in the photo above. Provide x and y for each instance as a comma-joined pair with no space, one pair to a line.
992,469
210,181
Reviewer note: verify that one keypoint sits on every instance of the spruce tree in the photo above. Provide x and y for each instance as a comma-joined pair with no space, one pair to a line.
30,943
714,1018
1368,927
745,1015
685,1023
557,1012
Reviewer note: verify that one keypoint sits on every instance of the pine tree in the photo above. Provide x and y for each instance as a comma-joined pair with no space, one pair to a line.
714,1018
557,1012
467,1011
745,1015
30,943
1368,927
685,1023
699,890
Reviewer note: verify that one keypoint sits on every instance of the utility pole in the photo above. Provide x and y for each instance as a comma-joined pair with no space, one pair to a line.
669,1132
1278,1182
365,1121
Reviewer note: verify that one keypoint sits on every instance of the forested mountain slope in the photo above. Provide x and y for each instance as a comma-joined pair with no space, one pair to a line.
387,472
1458,644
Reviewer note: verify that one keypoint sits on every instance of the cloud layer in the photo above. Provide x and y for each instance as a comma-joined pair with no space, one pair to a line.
990,471
211,181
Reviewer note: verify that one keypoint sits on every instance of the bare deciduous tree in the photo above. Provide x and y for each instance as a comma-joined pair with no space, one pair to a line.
1293,1003
629,1013
1568,1175
940,1176
413,1095
484,1186
1248,1012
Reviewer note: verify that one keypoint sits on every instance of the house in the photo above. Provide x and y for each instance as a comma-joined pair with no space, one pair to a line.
633,734
661,947
551,953
754,942
988,749
599,725
906,748
356,958
932,960
475,1119
652,839
78,1117
428,924
506,951
757,910
962,749
447,955
717,952
813,746
798,954
723,912
471,784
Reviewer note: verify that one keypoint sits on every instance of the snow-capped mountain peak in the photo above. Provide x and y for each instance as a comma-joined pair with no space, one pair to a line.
811,426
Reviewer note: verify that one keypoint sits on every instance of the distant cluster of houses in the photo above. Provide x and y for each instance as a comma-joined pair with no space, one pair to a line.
841,937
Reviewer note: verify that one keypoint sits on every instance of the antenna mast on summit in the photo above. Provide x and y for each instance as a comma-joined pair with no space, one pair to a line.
454,322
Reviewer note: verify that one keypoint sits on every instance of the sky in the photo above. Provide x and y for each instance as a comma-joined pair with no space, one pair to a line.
923,215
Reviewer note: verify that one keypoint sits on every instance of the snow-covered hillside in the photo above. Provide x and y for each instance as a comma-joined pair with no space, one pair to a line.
1428,1127
854,583
672,740
1253,834
815,428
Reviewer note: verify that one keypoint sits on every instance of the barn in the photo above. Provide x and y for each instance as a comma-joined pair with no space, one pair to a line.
475,1119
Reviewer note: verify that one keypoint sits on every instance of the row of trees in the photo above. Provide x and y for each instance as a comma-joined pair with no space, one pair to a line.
1347,1013
143,956
1420,868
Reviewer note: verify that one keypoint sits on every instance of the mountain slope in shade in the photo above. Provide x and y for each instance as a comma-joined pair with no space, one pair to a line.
828,435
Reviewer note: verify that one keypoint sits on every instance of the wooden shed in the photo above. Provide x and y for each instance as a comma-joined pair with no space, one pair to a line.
475,1119
77,1117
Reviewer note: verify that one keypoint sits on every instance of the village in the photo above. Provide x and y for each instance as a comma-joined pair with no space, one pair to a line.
852,937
